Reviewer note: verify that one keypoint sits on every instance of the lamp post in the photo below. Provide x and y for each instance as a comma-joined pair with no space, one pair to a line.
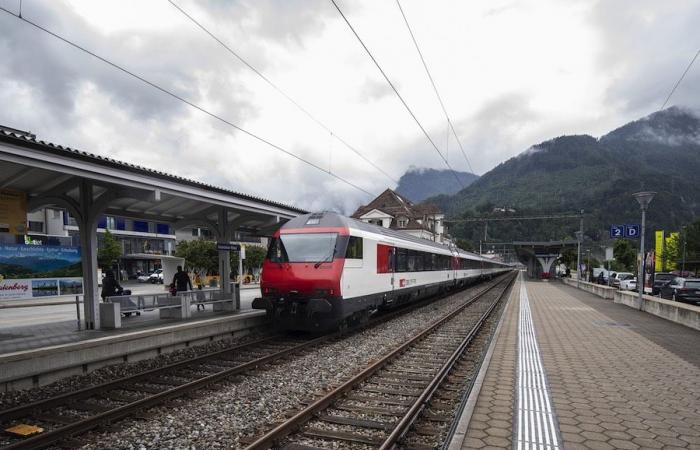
589,270
643,198
579,238
685,237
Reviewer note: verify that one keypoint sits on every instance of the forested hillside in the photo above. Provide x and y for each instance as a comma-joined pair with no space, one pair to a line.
660,152
419,184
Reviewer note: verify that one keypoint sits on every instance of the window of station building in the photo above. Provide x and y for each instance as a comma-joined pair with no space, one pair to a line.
162,228
354,250
141,226
402,222
36,227
110,223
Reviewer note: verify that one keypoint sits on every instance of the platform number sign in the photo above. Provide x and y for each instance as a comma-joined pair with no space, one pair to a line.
617,231
632,231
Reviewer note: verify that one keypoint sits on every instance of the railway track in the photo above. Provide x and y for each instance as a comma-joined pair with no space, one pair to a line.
66,416
378,406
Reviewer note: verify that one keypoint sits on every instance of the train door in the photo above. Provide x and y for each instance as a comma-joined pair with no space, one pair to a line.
392,267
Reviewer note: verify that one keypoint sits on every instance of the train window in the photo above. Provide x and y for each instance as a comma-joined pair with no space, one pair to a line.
308,247
354,250
276,252
401,259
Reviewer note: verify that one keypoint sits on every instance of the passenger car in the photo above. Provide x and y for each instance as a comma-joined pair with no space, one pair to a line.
619,277
661,279
686,290
144,278
156,276
628,284
324,270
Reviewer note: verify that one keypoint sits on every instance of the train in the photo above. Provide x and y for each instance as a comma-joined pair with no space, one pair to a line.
325,271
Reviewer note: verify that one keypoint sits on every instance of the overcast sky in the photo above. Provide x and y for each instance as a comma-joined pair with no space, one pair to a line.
511,74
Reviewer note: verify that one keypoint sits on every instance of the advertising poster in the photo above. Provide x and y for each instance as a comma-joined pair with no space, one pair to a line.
33,271
658,250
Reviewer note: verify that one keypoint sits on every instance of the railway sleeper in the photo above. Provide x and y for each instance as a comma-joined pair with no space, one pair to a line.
342,436
295,446
370,409
379,390
59,419
356,422
380,400
397,382
395,373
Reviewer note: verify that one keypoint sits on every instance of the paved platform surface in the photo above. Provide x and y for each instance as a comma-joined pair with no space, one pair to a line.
618,378
37,330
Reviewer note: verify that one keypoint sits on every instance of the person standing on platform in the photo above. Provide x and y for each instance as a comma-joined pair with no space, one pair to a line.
181,280
110,286
200,295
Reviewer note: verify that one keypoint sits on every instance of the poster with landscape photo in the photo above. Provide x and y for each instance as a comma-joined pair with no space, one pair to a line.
32,271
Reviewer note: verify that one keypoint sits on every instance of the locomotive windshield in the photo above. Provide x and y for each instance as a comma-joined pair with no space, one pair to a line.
307,247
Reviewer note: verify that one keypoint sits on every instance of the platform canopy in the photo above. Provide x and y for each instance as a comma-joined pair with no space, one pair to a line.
540,254
89,186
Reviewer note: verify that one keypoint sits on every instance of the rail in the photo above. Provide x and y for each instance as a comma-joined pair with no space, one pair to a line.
285,429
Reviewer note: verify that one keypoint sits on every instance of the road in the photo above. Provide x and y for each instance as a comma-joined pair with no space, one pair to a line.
37,315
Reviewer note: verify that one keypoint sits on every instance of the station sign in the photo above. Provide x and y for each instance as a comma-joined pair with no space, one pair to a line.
617,231
632,231
626,230
228,247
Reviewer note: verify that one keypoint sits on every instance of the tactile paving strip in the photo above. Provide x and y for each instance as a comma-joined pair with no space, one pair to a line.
536,423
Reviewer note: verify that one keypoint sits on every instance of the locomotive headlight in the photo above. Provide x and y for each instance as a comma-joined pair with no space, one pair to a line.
270,291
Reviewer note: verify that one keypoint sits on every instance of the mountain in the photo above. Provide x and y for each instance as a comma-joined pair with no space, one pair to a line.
417,184
660,152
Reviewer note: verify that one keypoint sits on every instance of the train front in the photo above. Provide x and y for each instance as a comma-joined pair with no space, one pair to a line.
300,281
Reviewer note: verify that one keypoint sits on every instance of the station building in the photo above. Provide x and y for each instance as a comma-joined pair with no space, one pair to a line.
56,203
392,210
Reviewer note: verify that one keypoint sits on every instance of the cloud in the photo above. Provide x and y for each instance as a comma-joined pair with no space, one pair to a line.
647,46
511,75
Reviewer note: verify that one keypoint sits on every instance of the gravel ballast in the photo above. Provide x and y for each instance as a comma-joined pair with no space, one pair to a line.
228,414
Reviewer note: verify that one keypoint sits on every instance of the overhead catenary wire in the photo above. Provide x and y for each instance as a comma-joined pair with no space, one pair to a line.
280,91
397,93
432,82
675,86
183,100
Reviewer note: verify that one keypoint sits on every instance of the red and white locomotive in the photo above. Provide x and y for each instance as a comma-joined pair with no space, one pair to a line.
324,270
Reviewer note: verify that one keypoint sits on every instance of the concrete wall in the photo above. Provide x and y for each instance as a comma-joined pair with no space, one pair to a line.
600,290
681,313
30,368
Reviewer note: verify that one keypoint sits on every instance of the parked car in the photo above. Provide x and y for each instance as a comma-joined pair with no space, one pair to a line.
686,290
144,278
628,284
619,277
660,279
156,277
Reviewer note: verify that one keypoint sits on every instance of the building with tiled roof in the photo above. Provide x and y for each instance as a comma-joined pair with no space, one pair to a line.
392,210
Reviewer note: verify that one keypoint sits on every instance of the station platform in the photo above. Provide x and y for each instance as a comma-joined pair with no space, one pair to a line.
571,370
38,354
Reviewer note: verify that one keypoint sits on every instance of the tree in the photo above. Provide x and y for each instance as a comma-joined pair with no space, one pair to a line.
625,253
672,252
110,252
464,244
569,257
199,255
254,257
691,236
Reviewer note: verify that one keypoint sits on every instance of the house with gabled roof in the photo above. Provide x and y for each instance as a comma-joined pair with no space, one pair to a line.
392,210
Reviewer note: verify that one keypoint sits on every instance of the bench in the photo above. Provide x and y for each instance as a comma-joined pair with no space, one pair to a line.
168,306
